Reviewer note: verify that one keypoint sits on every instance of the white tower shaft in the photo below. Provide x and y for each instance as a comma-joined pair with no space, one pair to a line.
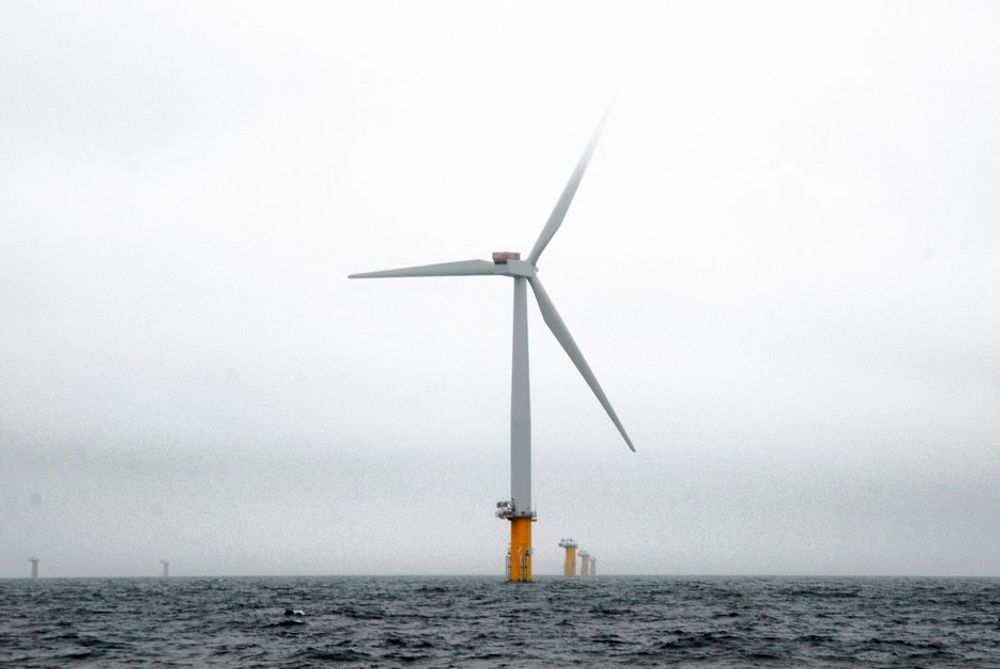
520,405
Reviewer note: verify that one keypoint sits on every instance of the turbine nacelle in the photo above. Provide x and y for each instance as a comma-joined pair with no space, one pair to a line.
509,263
515,268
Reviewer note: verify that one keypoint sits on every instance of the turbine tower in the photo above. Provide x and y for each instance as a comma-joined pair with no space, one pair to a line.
518,509
34,566
584,563
569,566
166,568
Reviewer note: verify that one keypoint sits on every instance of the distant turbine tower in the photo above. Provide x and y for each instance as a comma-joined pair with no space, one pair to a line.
584,563
166,568
34,566
518,508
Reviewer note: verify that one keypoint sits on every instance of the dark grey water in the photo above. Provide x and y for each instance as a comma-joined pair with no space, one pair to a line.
484,622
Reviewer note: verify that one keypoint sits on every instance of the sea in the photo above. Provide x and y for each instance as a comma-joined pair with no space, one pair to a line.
600,621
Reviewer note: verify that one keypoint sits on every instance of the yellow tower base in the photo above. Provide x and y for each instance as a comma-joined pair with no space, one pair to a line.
519,558
569,568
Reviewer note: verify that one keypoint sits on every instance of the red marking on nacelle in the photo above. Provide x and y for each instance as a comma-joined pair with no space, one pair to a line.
501,257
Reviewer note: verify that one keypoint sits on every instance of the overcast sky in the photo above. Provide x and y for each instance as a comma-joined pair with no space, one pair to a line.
783,265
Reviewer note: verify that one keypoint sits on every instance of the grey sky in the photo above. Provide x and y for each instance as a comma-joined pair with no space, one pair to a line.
783,265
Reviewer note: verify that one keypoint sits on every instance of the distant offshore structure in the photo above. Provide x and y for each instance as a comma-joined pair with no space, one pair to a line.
518,509
166,568
34,566
569,566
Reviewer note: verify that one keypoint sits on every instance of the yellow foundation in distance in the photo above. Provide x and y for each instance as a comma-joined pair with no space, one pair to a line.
569,568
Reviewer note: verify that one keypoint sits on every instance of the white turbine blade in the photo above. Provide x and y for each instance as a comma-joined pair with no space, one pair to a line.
562,206
555,323
460,268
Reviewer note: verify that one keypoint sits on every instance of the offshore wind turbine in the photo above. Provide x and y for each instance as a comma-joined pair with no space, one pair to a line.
518,509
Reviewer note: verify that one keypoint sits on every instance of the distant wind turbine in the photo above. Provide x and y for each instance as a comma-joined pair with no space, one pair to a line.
524,272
